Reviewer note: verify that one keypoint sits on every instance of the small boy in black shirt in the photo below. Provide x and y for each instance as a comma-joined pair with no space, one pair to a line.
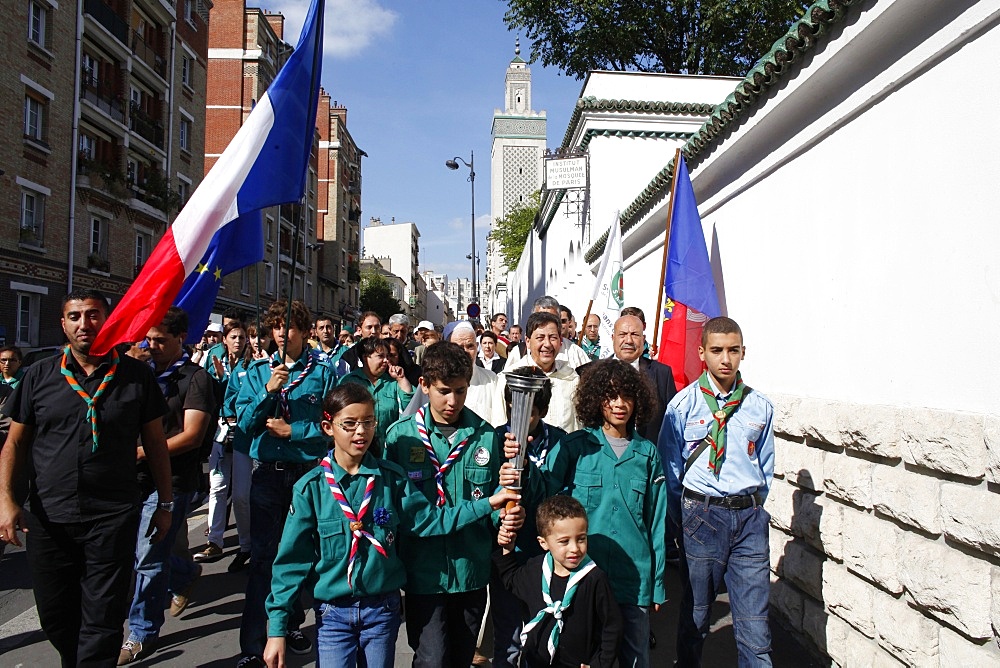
572,618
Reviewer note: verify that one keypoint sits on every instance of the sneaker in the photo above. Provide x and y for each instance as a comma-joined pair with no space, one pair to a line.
211,551
179,602
249,662
239,562
297,643
133,651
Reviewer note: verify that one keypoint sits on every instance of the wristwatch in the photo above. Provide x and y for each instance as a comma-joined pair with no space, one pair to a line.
166,505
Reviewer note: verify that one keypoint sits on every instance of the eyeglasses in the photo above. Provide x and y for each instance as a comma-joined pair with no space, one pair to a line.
352,425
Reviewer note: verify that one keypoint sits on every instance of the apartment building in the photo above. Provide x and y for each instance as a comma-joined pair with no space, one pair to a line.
111,99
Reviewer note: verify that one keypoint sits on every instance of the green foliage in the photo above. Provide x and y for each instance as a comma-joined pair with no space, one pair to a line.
723,37
376,295
512,231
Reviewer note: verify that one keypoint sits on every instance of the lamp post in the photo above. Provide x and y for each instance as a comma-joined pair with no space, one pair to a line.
453,164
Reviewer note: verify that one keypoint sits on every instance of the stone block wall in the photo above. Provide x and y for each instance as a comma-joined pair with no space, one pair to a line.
885,538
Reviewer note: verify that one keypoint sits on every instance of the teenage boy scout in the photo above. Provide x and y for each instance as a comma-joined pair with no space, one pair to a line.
451,455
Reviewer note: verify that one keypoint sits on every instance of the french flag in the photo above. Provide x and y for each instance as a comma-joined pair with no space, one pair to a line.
691,297
263,166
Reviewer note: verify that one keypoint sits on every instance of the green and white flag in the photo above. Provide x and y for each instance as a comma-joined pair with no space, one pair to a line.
609,288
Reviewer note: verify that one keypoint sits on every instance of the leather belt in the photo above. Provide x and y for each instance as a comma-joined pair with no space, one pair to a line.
731,502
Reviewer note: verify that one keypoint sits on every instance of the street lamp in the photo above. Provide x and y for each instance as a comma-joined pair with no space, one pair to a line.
453,164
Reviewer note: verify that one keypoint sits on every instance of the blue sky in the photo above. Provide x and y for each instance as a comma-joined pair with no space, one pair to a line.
420,81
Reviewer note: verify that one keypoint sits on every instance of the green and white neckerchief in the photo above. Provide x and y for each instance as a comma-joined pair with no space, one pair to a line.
556,608
717,434
592,348
91,401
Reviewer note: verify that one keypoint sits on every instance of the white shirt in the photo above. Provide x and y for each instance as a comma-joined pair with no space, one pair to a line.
562,411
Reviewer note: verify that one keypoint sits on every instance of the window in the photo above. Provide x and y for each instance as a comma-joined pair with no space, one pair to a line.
131,170
34,118
183,192
38,24
245,280
32,216
90,69
186,63
283,285
143,244
269,278
27,319
185,135
88,146
189,11
98,238
269,230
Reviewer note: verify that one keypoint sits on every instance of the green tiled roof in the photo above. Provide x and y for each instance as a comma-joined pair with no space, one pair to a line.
633,106
801,38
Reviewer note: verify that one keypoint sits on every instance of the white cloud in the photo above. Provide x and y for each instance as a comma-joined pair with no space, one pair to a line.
350,26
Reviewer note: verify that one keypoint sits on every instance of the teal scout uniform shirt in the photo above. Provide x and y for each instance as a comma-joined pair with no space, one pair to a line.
316,541
254,405
241,442
626,502
460,561
390,401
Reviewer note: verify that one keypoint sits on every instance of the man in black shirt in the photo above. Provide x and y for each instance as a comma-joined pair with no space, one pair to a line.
76,419
191,409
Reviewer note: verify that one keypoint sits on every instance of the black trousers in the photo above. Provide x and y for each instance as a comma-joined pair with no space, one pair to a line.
81,573
442,629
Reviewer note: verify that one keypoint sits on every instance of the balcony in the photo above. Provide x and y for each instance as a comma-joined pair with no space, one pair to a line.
145,126
108,18
102,96
148,55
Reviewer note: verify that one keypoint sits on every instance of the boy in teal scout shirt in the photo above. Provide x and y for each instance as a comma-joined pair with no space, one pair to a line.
386,383
341,536
451,455
618,477
279,407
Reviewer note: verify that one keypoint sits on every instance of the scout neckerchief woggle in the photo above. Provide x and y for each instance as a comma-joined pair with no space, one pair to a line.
161,378
283,395
556,608
439,469
717,434
357,521
91,401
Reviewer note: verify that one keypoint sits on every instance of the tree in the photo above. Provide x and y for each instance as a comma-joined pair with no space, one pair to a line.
683,36
376,295
512,231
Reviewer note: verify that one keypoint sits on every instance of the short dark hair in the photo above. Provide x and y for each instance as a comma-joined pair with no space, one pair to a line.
497,316
565,309
83,294
368,314
323,317
276,312
555,508
12,349
542,398
540,319
343,396
635,311
175,321
233,313
720,325
487,334
444,361
370,345
606,379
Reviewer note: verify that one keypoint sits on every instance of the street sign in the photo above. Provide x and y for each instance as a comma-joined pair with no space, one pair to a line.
564,173
472,310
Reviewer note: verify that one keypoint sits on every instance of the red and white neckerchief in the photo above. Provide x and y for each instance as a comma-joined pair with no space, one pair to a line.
439,468
283,395
161,378
357,521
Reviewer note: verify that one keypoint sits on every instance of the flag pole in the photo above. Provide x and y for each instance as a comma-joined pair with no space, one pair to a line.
666,244
590,305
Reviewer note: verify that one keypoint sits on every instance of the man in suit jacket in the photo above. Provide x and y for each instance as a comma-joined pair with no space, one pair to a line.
628,343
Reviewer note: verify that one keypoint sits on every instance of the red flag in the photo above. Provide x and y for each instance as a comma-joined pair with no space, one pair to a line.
679,341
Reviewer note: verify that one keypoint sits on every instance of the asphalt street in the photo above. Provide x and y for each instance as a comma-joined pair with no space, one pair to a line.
206,634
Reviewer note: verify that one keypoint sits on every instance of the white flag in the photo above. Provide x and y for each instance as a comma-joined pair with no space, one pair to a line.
609,288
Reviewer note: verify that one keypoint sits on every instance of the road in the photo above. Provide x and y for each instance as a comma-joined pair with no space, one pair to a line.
207,633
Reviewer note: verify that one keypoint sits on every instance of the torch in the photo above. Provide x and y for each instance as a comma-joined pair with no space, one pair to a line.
524,383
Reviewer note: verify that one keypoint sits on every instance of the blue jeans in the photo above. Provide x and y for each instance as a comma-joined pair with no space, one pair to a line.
719,544
270,497
634,649
368,623
155,572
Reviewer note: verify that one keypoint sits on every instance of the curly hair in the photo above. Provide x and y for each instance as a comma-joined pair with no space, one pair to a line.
608,379
276,312
556,508
444,361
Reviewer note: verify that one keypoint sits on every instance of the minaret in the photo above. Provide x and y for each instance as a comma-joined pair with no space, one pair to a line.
516,165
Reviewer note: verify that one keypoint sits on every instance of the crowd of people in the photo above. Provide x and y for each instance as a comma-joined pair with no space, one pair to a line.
362,464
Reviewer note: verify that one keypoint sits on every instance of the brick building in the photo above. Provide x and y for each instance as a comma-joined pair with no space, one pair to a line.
108,148
246,51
